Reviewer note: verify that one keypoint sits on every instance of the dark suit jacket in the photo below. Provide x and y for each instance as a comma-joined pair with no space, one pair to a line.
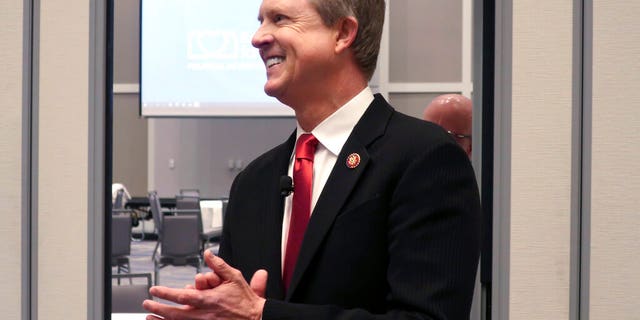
397,237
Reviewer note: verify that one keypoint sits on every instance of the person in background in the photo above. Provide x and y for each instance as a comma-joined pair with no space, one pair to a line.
384,219
453,112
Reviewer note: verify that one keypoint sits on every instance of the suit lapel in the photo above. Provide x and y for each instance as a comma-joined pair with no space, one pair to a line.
341,182
273,221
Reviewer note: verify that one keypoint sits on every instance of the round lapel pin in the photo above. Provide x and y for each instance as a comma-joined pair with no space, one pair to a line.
353,160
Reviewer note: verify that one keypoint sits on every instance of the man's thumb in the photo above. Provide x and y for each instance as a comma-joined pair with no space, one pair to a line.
259,282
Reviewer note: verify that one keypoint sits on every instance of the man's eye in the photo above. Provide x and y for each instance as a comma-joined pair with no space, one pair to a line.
278,18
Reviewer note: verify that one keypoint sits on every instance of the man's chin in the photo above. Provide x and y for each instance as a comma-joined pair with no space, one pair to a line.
272,91
279,96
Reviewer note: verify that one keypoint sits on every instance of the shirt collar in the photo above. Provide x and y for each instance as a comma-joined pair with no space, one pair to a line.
334,131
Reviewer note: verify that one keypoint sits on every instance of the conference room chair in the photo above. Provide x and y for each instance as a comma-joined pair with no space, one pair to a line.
157,214
118,207
118,203
225,203
190,193
121,242
179,243
128,298
207,231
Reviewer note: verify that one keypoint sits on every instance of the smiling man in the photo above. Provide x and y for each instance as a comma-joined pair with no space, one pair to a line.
383,222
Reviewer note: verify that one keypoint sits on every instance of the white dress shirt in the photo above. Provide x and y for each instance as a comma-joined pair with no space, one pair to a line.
332,133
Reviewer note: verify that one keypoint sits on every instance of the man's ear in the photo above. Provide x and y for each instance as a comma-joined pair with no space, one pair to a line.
347,29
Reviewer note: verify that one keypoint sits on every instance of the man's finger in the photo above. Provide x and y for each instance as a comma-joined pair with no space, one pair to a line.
163,310
201,282
212,279
221,268
209,257
259,282
206,281
188,297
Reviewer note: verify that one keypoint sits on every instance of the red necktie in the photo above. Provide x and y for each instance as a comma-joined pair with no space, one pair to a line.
301,208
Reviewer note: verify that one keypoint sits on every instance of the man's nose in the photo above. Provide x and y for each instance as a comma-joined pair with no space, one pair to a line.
262,37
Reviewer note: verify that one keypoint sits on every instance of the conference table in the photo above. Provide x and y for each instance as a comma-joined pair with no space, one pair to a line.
142,203
129,316
141,209
211,211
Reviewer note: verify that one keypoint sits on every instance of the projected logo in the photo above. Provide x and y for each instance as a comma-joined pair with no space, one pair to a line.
219,45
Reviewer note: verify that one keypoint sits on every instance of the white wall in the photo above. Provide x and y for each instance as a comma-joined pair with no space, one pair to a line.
11,160
544,162
63,154
615,194
541,159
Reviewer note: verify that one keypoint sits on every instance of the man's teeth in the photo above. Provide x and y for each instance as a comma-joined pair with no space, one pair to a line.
273,61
